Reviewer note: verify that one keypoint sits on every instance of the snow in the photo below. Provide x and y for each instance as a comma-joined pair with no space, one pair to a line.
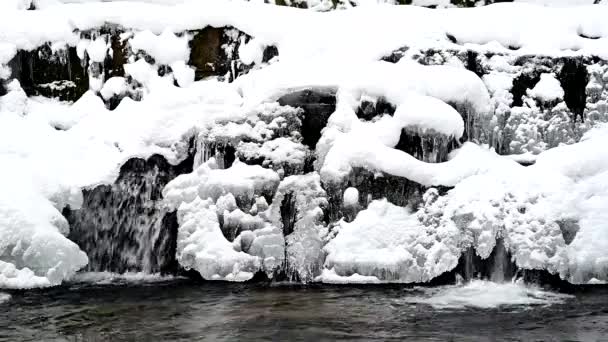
351,197
331,277
15,5
351,151
141,71
184,75
275,152
98,50
52,150
241,180
114,86
386,241
89,152
526,206
399,26
399,82
304,244
200,199
547,89
165,48
201,245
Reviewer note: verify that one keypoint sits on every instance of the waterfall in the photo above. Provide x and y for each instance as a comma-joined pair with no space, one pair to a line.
125,226
498,267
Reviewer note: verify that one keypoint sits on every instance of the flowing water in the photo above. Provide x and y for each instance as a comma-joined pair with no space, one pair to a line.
105,307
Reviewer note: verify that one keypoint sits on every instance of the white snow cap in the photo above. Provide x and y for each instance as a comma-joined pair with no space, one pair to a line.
547,89
351,197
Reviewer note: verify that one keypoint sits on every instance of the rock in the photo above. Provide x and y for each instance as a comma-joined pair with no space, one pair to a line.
52,74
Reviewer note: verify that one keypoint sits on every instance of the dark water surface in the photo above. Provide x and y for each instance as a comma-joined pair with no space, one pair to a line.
183,310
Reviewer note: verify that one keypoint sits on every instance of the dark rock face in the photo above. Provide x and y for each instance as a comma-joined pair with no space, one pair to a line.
573,78
213,52
114,65
521,84
124,226
270,52
43,72
472,64
369,110
397,190
430,148
289,213
206,53
569,228
318,105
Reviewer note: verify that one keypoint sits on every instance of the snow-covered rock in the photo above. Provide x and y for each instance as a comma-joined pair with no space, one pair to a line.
277,190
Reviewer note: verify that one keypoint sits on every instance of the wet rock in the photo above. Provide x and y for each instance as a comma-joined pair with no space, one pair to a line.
521,84
318,105
289,213
428,147
574,78
569,228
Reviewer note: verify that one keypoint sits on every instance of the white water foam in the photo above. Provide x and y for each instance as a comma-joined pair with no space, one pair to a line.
487,295
106,278
4,297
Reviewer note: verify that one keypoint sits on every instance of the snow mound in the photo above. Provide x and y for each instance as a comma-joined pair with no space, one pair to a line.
201,245
331,277
351,197
207,194
166,48
241,180
387,242
547,89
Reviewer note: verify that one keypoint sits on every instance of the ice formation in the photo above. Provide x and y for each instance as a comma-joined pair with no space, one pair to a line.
199,135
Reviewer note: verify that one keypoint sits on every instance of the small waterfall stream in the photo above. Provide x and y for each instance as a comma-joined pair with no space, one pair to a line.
125,226
498,267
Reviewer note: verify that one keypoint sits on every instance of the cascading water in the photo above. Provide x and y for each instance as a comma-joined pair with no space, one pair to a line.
125,226
498,267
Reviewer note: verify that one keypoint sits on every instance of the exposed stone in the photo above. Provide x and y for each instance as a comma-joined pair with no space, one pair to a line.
574,78
213,52
52,74
318,105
